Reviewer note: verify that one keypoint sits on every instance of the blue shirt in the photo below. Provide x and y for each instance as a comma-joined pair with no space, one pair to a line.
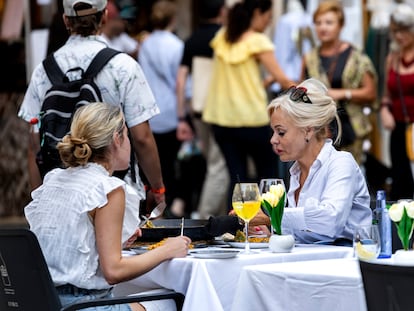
333,200
160,56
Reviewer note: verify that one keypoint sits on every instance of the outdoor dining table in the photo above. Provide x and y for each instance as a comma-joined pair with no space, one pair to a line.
210,284
330,284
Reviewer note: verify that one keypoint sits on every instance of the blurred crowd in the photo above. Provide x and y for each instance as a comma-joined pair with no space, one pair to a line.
213,87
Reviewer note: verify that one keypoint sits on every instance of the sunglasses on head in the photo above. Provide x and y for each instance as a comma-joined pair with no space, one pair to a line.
298,94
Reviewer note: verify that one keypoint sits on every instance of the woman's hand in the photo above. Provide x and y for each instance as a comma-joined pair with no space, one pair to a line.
184,131
177,246
259,230
387,118
336,94
132,239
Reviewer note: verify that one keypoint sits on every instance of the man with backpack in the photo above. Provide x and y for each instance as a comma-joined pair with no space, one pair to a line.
119,82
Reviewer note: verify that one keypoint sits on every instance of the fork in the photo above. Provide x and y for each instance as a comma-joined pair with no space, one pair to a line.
158,210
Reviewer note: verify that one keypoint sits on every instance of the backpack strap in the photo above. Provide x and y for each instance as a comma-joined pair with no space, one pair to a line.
100,61
53,71
56,75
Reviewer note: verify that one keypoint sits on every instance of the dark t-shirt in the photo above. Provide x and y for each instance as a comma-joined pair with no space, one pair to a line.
199,43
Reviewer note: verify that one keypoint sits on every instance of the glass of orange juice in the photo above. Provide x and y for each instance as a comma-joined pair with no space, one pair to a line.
246,204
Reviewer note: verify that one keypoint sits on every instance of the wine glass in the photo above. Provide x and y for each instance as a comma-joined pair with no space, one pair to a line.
246,204
264,187
367,244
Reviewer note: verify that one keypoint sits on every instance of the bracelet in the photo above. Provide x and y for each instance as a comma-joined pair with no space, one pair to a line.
158,190
386,102
348,94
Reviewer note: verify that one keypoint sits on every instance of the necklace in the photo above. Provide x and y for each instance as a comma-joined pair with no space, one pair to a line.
405,63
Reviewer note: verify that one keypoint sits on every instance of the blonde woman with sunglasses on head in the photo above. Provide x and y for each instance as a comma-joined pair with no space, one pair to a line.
327,195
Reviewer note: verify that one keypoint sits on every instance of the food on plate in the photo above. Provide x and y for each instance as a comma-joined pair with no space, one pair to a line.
226,237
241,237
158,244
148,224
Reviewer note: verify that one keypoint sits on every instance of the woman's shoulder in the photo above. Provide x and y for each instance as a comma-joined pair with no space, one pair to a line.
338,157
92,176
259,40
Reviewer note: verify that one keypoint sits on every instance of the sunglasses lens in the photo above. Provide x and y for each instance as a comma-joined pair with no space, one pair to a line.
299,94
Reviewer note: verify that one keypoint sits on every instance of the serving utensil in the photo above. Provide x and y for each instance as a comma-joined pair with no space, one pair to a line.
158,210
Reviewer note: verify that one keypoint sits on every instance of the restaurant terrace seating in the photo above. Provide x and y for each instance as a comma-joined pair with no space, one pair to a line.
27,285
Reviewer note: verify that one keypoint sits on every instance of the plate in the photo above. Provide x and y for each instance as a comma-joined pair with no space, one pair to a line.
214,253
252,245
139,250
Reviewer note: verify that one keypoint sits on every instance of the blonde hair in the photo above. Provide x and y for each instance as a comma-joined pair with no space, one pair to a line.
330,6
317,115
91,133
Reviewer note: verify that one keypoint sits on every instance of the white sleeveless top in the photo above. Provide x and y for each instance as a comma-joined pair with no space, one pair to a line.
58,215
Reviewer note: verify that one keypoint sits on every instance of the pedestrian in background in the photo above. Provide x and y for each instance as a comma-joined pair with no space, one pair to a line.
237,99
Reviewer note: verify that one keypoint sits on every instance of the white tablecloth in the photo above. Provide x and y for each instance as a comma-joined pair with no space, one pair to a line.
210,284
333,284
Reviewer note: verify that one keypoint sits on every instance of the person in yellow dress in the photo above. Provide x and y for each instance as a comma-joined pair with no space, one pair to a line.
237,99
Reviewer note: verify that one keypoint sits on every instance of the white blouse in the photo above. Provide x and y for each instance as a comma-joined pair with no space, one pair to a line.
333,200
58,215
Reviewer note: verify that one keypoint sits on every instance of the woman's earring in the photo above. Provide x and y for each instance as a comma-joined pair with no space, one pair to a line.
307,140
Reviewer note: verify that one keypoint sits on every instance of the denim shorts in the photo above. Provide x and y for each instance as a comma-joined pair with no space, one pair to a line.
70,294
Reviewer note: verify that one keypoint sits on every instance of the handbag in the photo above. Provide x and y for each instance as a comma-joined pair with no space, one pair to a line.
409,141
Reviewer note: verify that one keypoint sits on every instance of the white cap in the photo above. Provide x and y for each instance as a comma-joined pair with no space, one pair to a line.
96,6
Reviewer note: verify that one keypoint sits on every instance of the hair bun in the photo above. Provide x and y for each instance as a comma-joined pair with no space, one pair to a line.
81,148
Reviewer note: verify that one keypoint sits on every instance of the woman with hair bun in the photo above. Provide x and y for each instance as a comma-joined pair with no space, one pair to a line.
77,213
327,195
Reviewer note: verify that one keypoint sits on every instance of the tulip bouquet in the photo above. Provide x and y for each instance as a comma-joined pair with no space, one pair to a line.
273,202
402,214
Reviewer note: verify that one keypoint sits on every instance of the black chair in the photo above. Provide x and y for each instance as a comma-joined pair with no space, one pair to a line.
387,287
26,285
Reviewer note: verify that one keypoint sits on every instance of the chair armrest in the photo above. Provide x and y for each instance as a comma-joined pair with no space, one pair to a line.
177,297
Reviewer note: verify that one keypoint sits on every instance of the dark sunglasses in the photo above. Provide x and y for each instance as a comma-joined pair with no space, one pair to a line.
298,94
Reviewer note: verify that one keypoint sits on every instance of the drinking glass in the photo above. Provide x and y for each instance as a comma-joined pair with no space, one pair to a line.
264,186
246,204
367,244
